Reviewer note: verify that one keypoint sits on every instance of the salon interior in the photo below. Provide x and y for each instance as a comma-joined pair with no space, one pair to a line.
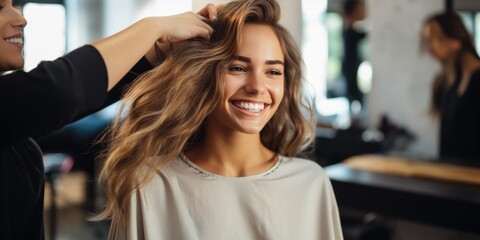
380,151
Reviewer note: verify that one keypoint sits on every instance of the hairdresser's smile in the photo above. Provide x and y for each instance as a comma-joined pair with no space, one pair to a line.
11,45
15,41
254,83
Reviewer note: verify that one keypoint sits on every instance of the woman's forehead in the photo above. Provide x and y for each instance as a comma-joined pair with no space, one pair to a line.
434,29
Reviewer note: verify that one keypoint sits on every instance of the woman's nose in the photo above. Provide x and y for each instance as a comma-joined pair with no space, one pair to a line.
255,83
18,21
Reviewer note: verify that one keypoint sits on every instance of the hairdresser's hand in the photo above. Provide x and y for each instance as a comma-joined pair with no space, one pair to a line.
210,11
182,27
122,50
189,25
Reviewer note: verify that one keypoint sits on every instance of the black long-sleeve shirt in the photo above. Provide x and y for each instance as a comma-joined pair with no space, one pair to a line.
460,121
35,103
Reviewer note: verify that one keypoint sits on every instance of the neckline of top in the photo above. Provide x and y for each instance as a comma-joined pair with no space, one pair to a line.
204,172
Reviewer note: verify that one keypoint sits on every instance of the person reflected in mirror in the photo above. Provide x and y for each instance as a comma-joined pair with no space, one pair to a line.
456,87
353,34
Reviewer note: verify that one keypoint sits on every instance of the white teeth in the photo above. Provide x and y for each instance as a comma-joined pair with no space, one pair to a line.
251,107
15,40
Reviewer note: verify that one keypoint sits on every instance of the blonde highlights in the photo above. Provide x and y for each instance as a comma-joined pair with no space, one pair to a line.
164,110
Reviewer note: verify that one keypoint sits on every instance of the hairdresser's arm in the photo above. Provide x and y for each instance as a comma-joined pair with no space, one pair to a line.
121,51
58,92
155,56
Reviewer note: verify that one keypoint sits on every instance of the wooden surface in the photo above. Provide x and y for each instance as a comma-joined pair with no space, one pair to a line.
415,168
446,204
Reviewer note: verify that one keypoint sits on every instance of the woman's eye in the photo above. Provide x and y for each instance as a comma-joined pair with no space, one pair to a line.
275,72
237,69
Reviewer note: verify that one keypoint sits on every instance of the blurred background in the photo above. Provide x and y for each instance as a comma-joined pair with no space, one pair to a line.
387,115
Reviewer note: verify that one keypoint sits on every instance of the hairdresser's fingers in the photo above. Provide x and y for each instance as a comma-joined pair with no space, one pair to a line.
200,28
184,26
203,33
209,11
204,30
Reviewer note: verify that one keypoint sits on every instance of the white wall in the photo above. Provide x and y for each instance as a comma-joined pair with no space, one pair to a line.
84,22
401,74
119,14
89,20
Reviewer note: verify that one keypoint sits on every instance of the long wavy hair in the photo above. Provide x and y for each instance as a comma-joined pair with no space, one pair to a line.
160,118
452,27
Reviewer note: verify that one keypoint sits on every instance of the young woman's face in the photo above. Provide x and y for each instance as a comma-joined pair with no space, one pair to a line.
439,46
11,44
254,83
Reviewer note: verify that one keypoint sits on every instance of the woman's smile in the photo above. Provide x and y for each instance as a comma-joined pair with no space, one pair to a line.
249,106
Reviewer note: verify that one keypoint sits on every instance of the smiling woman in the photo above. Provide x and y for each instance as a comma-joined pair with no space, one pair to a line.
254,85
214,157
455,89
11,25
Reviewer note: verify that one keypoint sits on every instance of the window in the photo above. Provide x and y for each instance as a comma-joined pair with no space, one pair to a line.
334,24
323,51
44,35
477,31
472,23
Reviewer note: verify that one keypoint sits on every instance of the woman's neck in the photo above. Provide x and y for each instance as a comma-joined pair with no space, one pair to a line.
232,153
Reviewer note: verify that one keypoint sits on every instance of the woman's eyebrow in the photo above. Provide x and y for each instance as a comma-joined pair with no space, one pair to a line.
243,59
248,60
274,62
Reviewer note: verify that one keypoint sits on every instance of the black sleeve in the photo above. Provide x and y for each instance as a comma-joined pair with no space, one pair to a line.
116,92
51,95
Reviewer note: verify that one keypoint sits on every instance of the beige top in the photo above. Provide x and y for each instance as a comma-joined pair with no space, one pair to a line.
292,200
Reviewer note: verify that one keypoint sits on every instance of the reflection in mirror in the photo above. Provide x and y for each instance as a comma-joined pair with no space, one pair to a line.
341,70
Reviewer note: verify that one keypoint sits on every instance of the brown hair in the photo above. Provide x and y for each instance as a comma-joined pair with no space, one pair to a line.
161,118
452,27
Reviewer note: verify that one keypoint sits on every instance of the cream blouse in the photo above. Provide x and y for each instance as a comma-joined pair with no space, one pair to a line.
292,200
